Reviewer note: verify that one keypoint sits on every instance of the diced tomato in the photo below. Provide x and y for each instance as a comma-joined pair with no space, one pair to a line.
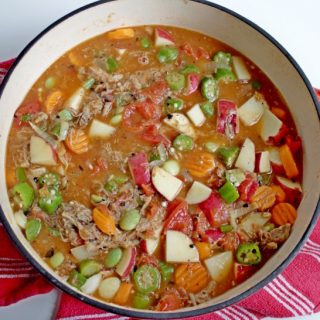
29,108
247,188
230,241
213,235
172,299
203,54
227,120
280,136
144,258
214,210
187,49
178,218
157,92
242,272
294,144
200,225
139,168
101,164
148,189
152,135
193,81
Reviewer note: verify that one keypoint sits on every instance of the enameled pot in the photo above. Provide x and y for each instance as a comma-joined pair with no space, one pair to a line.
214,21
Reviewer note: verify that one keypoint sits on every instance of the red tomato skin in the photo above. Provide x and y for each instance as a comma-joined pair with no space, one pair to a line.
139,168
193,81
242,272
247,188
27,108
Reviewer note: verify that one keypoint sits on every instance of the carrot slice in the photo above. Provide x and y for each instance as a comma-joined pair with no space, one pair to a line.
280,194
105,222
203,249
125,33
283,213
193,277
11,177
289,164
122,295
77,141
53,101
148,189
280,113
264,197
199,164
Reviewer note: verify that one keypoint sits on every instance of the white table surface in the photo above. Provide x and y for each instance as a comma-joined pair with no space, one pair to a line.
295,24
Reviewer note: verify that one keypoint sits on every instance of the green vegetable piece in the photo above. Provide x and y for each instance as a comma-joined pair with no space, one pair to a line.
209,88
141,301
54,232
248,253
76,279
256,84
21,174
265,178
26,117
25,194
229,192
175,80
96,199
129,220
183,143
269,227
89,267
145,43
50,179
174,105
225,75
111,186
65,115
120,179
116,119
113,257
207,109
49,199
50,83
88,84
56,130
222,59
228,155
158,153
167,54
111,65
147,279
235,176
33,228
167,271
211,146
191,68
172,167
56,260
225,228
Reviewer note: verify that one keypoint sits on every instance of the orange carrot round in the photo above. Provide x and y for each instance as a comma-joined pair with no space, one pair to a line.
54,100
77,141
289,164
264,197
203,249
105,222
193,277
280,194
199,164
283,213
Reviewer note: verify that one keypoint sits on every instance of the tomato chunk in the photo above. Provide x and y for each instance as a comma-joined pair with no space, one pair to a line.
193,81
139,168
242,272
25,111
227,120
247,188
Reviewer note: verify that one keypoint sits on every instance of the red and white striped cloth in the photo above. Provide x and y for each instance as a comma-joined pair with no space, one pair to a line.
295,292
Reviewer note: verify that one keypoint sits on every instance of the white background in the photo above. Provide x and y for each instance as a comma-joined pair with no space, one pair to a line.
295,24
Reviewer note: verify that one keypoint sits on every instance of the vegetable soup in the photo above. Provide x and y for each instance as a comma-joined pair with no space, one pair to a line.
154,167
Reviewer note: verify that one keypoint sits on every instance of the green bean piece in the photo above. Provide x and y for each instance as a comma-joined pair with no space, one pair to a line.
225,228
88,84
50,83
228,155
209,88
113,257
50,179
129,220
183,143
96,199
248,253
175,80
57,259
141,301
49,199
158,153
147,278
222,59
65,115
174,105
76,279
89,267
167,54
21,174
111,65
33,228
25,195
191,68
207,109
229,192
225,75
111,186
167,271
145,43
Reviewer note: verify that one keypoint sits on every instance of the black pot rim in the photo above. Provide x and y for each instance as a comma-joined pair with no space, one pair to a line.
179,313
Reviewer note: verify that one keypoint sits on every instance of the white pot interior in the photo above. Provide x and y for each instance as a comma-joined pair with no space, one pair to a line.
191,15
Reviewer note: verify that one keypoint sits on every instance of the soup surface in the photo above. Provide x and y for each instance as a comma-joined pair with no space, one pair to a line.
154,167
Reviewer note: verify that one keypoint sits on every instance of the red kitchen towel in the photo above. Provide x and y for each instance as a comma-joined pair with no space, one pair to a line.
295,292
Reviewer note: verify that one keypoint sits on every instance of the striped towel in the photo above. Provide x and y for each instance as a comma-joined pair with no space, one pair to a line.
295,292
